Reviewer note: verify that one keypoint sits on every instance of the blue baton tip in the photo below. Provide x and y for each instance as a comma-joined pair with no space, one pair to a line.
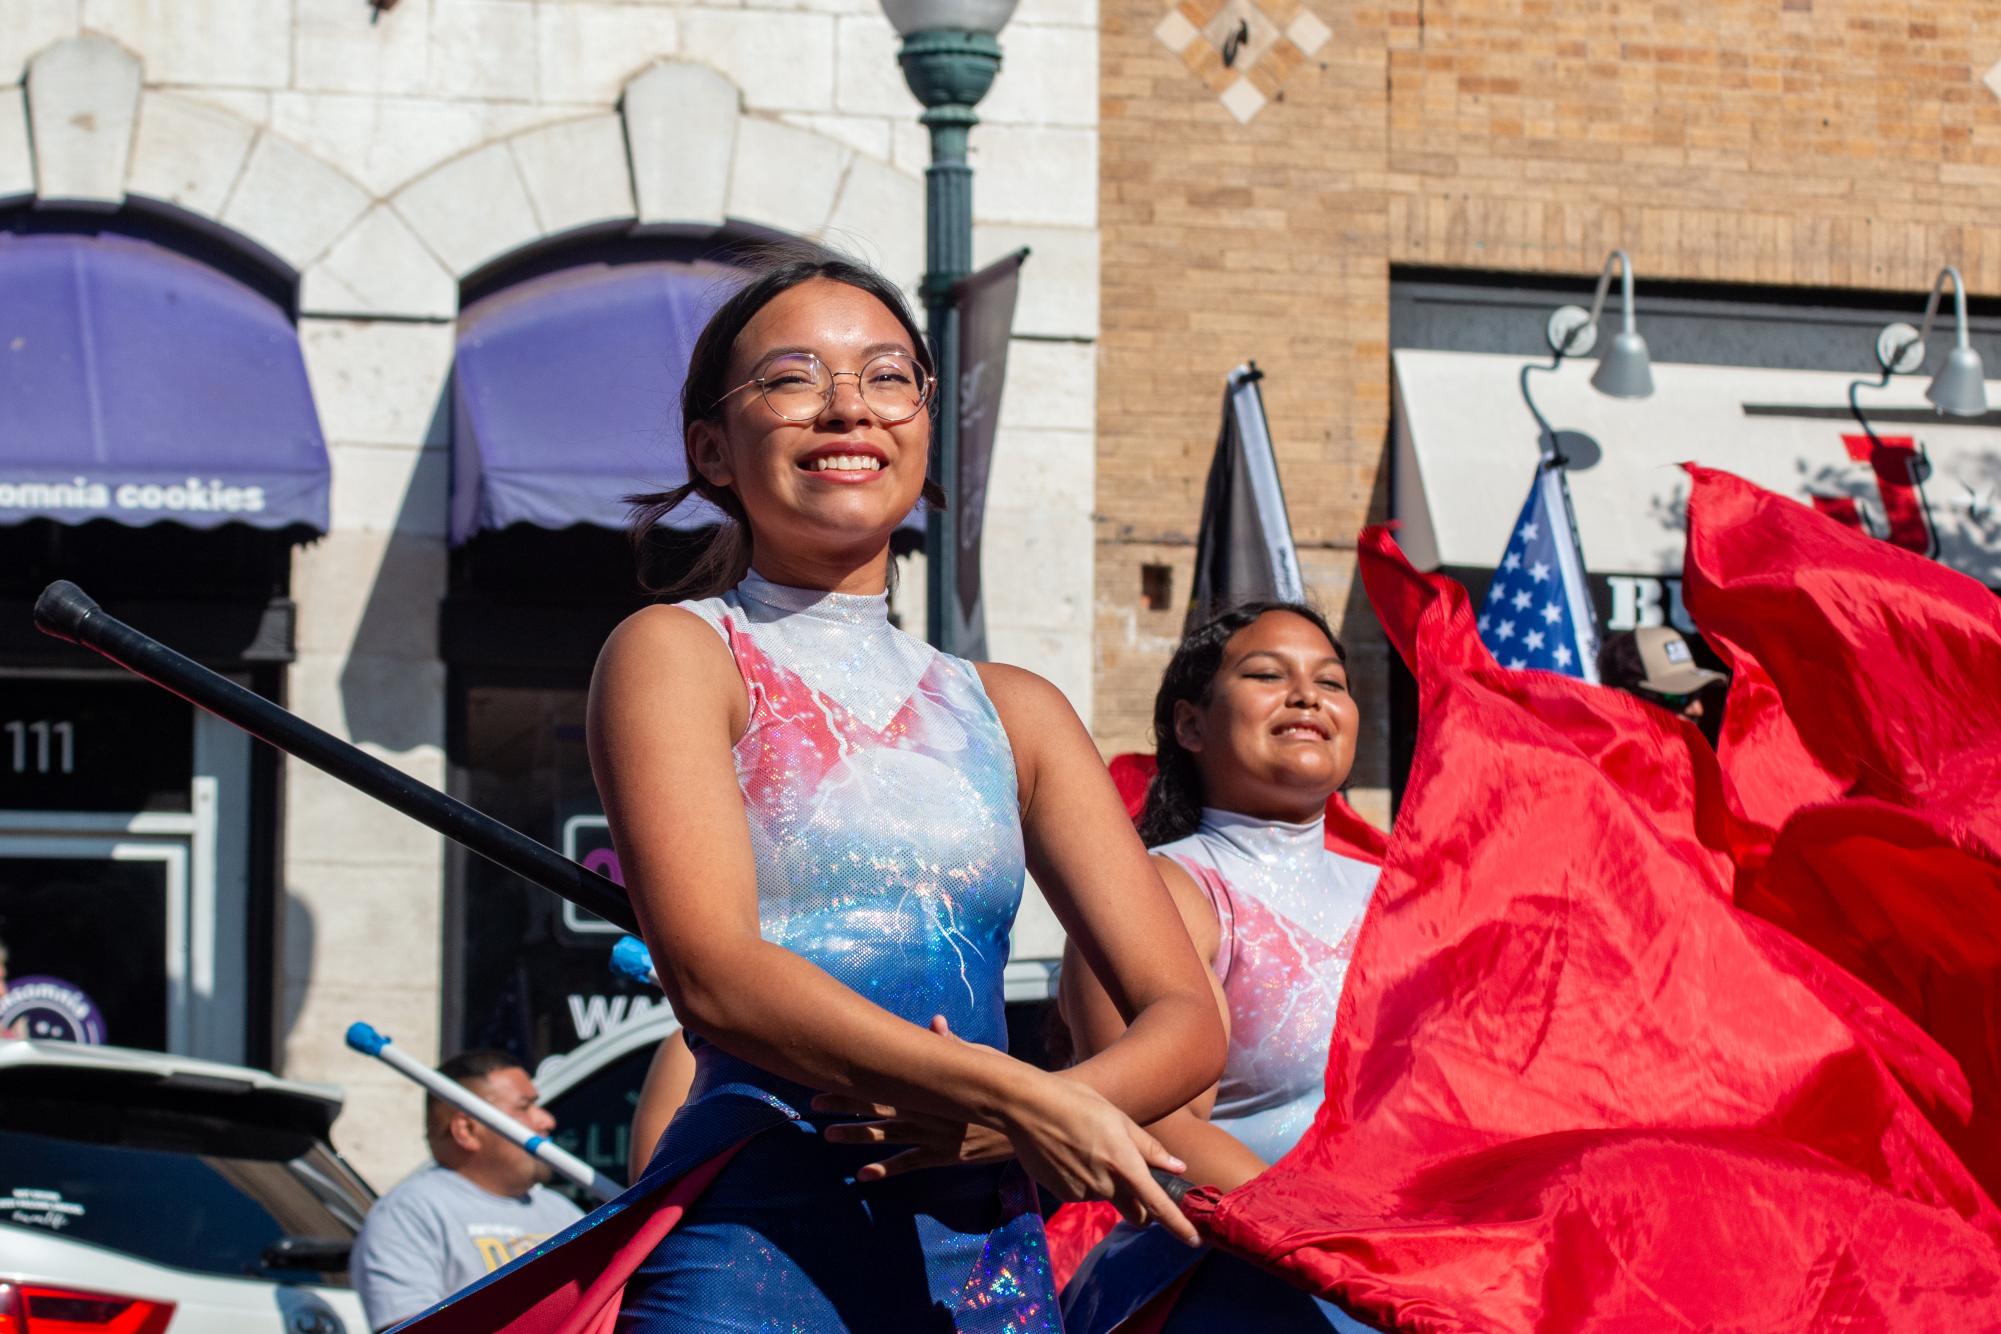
534,1142
630,958
364,1039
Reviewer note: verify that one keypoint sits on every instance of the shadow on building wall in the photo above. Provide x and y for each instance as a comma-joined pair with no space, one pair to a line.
392,684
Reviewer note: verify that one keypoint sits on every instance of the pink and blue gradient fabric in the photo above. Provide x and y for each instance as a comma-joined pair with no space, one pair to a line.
880,791
1289,911
879,788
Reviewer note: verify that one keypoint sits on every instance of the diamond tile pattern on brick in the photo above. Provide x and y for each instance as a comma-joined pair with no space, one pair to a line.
1243,100
1307,32
1243,50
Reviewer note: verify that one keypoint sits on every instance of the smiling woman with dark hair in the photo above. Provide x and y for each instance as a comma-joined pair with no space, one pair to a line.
1255,730
824,825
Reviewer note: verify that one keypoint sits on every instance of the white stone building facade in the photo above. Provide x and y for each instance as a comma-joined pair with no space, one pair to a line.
381,157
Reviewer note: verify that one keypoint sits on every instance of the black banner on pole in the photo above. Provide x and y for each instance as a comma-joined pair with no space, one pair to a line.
985,302
1244,550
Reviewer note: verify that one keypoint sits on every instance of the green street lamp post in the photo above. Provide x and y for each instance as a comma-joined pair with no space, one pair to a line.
951,52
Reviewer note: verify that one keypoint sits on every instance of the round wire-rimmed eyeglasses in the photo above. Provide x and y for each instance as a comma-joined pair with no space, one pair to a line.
799,387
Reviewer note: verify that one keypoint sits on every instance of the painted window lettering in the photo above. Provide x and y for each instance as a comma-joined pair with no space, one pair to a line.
592,1015
41,745
1899,467
193,496
76,494
1642,600
82,494
32,1207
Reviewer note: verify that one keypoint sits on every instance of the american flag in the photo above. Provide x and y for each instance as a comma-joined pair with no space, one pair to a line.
1538,610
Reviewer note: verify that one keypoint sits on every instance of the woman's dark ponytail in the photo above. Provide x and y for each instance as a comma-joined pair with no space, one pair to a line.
770,271
1174,798
722,561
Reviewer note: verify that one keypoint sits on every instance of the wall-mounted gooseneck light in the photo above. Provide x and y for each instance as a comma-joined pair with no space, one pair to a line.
1625,371
1960,387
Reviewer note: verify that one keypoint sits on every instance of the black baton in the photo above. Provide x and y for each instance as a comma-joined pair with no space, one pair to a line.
67,612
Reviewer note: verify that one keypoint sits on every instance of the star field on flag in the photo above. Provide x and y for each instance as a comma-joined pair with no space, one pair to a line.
1537,612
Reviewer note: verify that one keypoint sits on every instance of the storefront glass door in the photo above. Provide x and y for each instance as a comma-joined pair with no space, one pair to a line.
124,841
98,914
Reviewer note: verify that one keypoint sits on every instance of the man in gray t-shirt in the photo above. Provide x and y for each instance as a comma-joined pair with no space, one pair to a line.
480,1204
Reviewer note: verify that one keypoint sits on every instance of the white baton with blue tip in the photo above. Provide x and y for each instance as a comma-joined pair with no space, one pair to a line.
364,1039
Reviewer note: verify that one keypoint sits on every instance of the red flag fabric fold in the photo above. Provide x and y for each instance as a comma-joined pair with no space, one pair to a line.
1072,1231
1131,772
573,1283
1886,666
1572,1085
1870,739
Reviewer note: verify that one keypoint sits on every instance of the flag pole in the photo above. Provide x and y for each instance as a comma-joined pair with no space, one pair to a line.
367,1040
1581,607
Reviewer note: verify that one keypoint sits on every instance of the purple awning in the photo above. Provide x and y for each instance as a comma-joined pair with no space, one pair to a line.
567,395
139,385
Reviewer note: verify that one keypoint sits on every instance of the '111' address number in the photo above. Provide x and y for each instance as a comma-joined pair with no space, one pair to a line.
41,747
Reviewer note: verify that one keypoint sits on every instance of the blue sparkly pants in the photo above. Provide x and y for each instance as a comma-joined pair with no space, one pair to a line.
1222,1295
786,1240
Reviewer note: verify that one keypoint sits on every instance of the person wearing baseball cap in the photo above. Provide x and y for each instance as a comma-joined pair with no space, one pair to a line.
1656,664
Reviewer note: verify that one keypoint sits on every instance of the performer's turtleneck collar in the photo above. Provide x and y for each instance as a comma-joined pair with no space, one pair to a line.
818,603
1265,840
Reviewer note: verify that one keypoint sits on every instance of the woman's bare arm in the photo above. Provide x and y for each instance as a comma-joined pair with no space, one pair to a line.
666,707
1107,892
1104,889
1214,1156
667,1082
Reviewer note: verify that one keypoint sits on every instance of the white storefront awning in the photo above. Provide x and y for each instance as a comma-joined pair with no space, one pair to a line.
1467,441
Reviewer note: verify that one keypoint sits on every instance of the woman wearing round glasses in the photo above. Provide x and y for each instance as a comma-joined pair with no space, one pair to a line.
823,824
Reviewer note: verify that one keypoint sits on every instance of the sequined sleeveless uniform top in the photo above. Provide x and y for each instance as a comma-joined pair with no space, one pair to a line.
1289,910
879,789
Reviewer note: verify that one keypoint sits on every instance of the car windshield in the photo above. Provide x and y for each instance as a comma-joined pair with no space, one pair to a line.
193,1192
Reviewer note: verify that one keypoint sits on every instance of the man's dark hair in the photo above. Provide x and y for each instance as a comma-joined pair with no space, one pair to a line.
1619,664
478,1064
463,1069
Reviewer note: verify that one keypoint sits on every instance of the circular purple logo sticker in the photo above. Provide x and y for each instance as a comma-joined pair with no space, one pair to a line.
50,1009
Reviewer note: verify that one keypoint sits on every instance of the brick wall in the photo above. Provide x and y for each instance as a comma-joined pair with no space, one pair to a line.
1823,143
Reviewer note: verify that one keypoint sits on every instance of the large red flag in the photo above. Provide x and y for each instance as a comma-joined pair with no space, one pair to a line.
1572,1086
1887,666
1886,744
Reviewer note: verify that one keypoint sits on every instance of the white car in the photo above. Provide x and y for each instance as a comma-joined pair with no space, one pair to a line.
150,1194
